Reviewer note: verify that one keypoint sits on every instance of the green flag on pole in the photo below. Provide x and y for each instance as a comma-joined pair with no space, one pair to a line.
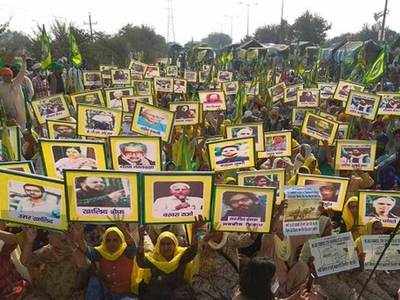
377,69
75,54
46,53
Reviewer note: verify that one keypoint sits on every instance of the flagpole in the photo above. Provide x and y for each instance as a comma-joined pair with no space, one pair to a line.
384,21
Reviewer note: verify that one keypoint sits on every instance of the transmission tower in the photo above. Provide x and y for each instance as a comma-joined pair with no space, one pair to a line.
170,22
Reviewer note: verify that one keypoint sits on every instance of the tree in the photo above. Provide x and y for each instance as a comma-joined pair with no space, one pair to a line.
275,33
217,40
310,27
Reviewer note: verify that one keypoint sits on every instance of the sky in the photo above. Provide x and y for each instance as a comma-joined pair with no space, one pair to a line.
194,19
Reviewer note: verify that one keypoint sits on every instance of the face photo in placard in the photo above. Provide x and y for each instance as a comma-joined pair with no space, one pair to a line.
247,130
343,89
308,98
186,113
32,200
92,79
58,130
99,196
277,92
94,97
98,122
50,108
277,143
332,189
230,88
176,197
381,205
298,115
59,155
327,90
151,72
291,92
128,103
390,104
238,208
165,85
172,71
152,121
137,67
232,154
121,77
114,97
212,100
190,76
142,87
352,154
20,166
319,128
180,86
364,105
136,153
224,76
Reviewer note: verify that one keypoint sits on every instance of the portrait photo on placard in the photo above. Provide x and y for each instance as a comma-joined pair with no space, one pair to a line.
186,113
32,200
140,153
355,154
389,104
343,89
319,128
277,143
231,87
176,197
264,178
151,72
172,71
94,97
247,130
152,121
142,87
137,67
163,84
291,92
180,86
98,121
252,88
50,108
277,92
381,205
308,98
364,105
20,166
190,76
126,125
121,77
298,115
101,196
92,79
326,90
224,76
243,208
58,155
332,189
212,100
60,130
114,96
232,154
128,103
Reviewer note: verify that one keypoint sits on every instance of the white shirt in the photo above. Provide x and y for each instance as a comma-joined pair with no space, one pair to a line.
167,205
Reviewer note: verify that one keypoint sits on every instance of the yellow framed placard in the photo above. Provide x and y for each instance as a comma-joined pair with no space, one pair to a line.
58,155
308,97
343,89
96,121
94,97
230,88
328,116
142,87
190,76
137,67
152,121
326,90
100,196
61,130
355,154
298,115
212,100
92,79
151,72
50,108
390,104
121,77
277,143
163,84
247,130
20,166
171,71
224,76
141,154
277,92
252,88
32,200
332,189
243,208
180,86
363,105
186,113
264,178
176,197
128,103
291,92
381,205
319,128
114,96
232,154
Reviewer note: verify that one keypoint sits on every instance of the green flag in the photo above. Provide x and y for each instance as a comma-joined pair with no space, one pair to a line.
75,55
377,69
46,53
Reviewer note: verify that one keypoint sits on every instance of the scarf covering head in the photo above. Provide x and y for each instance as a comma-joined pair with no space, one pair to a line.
369,226
347,215
102,249
7,72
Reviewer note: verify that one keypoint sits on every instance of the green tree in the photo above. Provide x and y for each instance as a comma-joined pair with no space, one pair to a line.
275,33
217,40
310,27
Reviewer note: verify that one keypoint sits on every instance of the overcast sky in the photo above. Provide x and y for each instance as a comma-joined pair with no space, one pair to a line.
194,18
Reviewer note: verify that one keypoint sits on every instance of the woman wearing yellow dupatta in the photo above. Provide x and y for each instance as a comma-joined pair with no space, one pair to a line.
167,270
350,216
